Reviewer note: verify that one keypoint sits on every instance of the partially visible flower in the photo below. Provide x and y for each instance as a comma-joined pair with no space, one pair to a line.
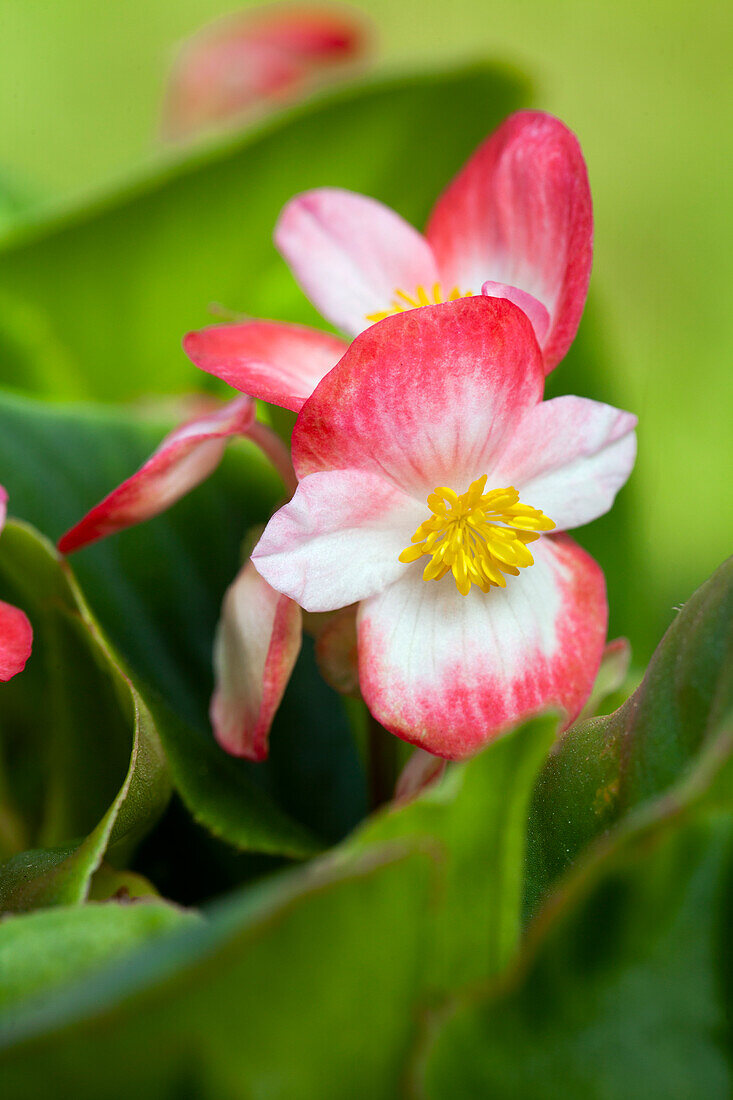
16,632
428,465
515,223
185,458
243,61
259,634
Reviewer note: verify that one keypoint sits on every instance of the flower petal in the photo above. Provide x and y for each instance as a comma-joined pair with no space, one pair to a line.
16,640
425,398
448,672
536,312
338,540
351,253
520,213
257,643
569,457
185,458
276,362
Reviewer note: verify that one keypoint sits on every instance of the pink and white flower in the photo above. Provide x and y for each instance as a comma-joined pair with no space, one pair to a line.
16,632
430,441
515,223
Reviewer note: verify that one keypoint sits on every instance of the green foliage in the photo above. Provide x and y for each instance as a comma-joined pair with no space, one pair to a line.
156,591
423,896
604,767
195,229
623,992
75,692
42,951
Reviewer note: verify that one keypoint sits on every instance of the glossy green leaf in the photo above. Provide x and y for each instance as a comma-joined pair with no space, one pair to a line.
157,590
477,815
110,287
623,991
84,704
606,766
423,896
40,952
212,1007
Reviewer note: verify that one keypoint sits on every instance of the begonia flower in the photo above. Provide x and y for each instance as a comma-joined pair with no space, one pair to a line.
16,632
249,60
515,223
428,465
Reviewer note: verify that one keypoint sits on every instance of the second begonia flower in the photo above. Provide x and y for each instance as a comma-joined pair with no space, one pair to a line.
428,465
515,223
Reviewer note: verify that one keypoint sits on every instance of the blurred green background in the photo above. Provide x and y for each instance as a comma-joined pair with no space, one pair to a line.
647,88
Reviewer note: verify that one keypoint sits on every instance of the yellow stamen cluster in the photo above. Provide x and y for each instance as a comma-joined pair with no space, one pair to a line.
421,297
477,536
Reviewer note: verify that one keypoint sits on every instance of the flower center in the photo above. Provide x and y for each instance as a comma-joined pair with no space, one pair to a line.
477,536
421,297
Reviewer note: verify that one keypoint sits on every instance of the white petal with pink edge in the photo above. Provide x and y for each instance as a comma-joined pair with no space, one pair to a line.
569,457
350,254
425,398
276,362
449,672
184,459
257,644
338,540
520,213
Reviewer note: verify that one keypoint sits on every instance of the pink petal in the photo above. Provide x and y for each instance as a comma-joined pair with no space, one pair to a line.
242,62
351,253
569,457
3,506
184,459
449,672
338,540
520,213
257,644
16,640
425,398
536,312
276,362
336,652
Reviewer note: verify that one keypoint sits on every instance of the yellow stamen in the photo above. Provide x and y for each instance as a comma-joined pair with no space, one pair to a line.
421,297
477,536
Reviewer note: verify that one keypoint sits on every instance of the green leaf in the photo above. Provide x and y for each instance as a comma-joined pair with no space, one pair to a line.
477,816
424,895
148,259
40,952
618,994
156,591
82,695
210,1008
606,766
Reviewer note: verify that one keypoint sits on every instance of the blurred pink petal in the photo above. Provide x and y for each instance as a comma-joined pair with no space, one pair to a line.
16,632
246,60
